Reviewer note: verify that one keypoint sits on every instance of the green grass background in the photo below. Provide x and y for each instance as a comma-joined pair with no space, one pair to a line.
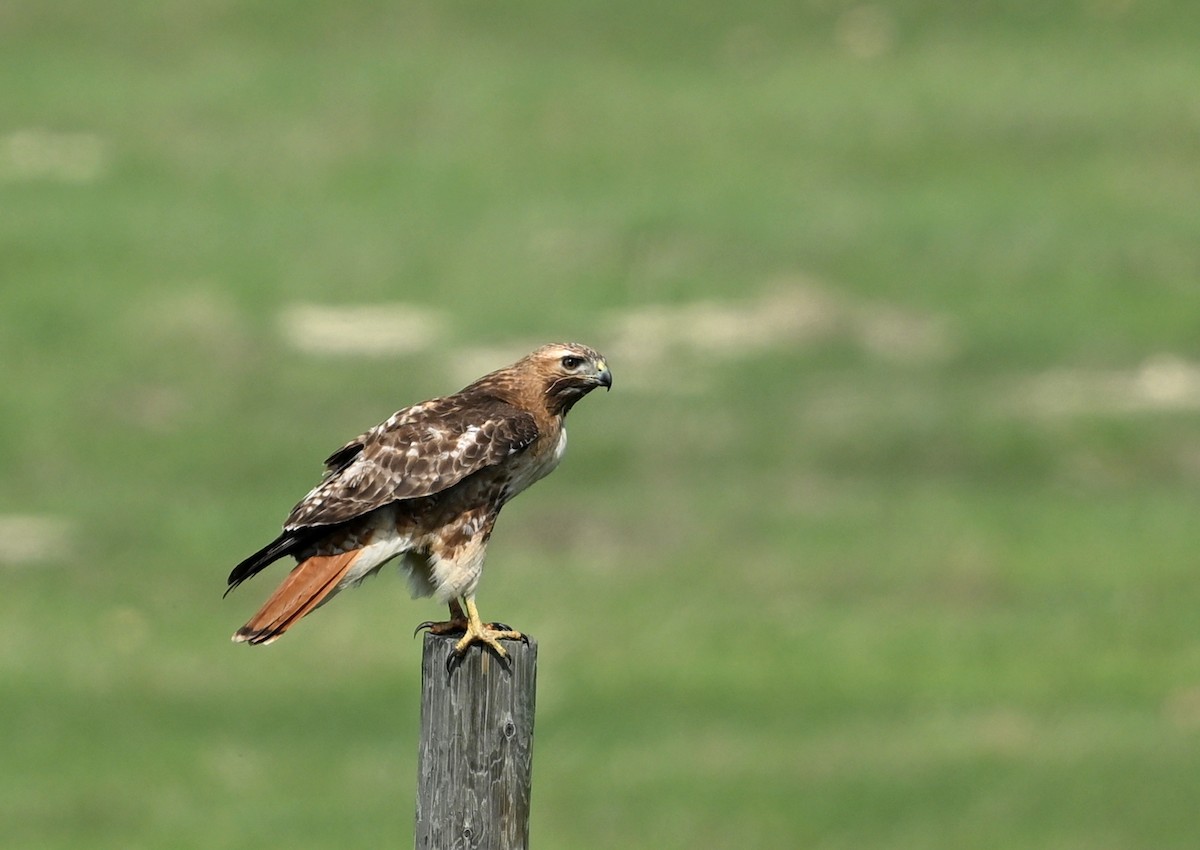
805,592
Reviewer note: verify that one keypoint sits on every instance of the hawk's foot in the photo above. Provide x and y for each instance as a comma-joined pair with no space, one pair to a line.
454,627
490,636
487,634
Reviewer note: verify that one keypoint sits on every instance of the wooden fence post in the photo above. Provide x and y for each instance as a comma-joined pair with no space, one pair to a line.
476,755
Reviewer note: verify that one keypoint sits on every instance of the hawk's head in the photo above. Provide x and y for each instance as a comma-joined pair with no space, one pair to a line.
567,372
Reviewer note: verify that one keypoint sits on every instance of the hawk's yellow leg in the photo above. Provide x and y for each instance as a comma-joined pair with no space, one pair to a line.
479,632
474,630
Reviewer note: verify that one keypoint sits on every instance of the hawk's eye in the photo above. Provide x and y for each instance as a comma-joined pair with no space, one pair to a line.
572,362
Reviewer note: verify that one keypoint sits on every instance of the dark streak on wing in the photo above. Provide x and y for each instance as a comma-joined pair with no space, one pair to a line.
378,467
340,459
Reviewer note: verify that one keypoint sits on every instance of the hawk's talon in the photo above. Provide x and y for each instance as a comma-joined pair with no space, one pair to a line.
445,627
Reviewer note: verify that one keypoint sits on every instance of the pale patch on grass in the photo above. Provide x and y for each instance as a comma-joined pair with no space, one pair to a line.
378,330
1160,384
904,336
866,32
648,338
788,315
39,154
29,539
473,362
794,315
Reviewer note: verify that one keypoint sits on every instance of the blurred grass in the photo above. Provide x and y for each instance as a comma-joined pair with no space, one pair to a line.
834,593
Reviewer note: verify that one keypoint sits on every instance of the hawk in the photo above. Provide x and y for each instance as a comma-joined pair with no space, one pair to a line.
426,486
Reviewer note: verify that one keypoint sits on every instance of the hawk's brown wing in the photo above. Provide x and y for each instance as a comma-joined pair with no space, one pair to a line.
419,451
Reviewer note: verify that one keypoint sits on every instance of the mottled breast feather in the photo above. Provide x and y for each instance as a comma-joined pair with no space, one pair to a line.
418,451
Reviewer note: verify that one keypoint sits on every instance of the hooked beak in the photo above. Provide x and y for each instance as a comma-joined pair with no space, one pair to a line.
603,375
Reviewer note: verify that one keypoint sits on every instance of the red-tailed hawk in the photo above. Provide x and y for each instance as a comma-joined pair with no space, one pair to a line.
426,486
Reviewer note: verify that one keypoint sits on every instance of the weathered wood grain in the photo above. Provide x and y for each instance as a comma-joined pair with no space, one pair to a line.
476,753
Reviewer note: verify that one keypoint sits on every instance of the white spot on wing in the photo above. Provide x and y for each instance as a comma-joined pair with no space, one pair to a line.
465,440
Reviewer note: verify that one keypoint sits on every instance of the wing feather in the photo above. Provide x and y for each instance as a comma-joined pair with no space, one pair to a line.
419,451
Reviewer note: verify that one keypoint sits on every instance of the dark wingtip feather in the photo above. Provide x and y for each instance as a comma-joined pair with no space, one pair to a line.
282,545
